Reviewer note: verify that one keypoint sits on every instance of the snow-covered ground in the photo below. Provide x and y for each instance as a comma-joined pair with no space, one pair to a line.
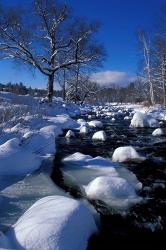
29,128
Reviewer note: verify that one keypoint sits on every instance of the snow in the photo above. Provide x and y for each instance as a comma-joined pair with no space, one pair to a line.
39,142
77,158
4,242
15,160
95,124
54,222
126,154
158,132
70,134
82,122
29,131
127,118
144,120
85,170
84,129
114,191
100,135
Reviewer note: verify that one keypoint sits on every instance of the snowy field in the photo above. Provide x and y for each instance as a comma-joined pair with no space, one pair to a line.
29,129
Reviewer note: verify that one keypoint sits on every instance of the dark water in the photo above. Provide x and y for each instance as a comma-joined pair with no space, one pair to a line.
144,223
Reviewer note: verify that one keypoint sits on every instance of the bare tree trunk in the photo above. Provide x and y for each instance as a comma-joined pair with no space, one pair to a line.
64,86
76,85
147,58
164,79
50,87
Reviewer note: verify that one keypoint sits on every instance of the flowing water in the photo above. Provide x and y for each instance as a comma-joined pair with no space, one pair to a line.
144,223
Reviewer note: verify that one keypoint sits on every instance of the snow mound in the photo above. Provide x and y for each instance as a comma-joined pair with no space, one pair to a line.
83,170
95,124
77,158
100,135
82,122
127,118
63,121
40,142
70,134
54,222
52,129
114,191
15,160
126,154
84,129
158,132
143,120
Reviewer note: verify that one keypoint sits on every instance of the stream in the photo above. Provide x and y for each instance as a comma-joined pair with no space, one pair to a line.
144,222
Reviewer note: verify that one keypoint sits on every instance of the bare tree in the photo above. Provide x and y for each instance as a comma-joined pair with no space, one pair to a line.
160,67
147,62
49,40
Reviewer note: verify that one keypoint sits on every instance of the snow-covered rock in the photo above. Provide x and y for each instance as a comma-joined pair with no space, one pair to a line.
84,129
77,158
70,134
15,160
54,222
114,191
143,120
100,135
126,154
127,118
84,169
95,124
158,132
82,122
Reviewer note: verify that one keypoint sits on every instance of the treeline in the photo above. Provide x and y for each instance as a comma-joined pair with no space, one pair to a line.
132,93
22,89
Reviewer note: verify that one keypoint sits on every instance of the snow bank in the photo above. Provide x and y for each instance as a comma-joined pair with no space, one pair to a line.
41,142
126,154
64,122
158,132
54,222
143,120
95,124
4,242
15,160
100,135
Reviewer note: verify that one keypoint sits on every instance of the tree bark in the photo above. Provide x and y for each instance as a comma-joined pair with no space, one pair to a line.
64,86
164,80
50,87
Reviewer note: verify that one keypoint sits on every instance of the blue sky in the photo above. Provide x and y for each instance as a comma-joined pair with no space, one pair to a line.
120,20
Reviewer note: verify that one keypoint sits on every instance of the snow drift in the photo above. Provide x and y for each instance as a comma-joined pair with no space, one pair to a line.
54,222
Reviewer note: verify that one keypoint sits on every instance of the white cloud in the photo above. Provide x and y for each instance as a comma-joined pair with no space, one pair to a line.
107,78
